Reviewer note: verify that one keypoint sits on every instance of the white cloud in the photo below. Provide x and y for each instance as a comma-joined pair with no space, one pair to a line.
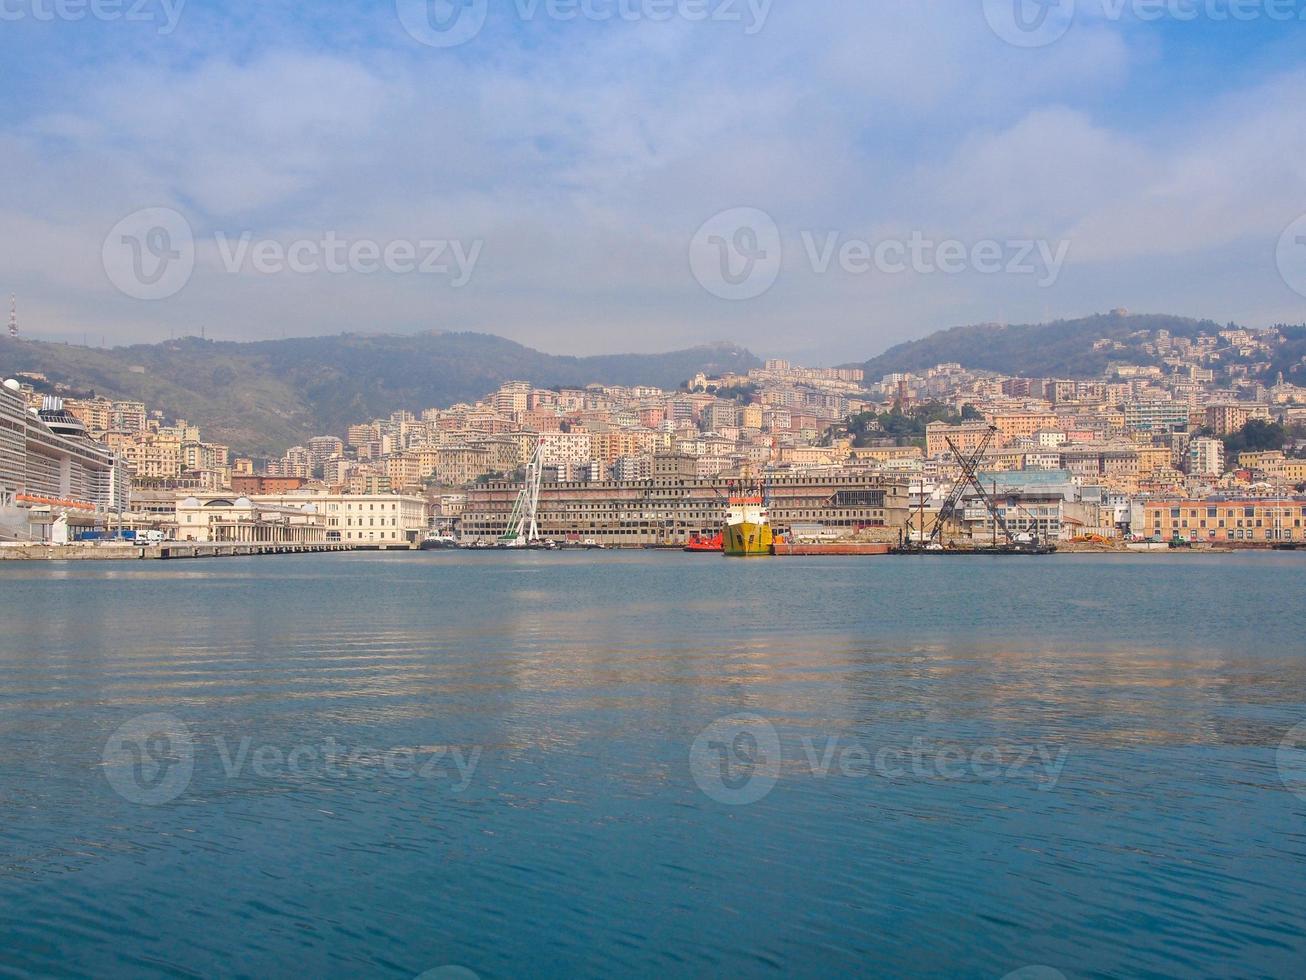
585,156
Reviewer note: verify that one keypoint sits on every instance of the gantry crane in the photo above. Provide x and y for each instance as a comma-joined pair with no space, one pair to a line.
523,528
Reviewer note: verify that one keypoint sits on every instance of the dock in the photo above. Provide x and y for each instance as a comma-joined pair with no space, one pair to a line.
166,550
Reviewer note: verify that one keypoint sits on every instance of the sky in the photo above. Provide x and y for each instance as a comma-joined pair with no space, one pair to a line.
816,180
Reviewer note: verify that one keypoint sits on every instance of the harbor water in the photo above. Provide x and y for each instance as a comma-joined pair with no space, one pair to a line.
606,763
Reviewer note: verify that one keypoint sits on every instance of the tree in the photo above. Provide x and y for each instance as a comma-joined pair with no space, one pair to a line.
1258,435
741,393
904,428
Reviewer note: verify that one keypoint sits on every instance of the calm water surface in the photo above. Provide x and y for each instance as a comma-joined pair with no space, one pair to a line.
381,765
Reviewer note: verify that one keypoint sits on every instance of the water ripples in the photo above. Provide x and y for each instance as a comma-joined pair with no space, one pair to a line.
580,841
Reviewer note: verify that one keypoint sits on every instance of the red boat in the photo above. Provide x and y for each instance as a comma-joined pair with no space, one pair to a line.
706,543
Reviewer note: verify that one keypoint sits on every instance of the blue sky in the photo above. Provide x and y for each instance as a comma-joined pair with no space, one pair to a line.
581,162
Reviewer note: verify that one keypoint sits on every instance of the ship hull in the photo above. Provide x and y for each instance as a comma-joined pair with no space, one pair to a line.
789,549
748,540
705,544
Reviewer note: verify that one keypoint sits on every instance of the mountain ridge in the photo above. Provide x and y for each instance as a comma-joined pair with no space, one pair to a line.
1060,348
260,397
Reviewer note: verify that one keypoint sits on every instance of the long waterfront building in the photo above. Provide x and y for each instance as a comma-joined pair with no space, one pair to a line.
666,509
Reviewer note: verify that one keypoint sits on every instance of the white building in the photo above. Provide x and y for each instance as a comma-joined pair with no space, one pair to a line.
565,448
1205,457
242,519
379,520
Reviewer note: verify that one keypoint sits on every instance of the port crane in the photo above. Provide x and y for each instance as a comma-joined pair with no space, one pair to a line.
970,477
523,528
1025,543
969,465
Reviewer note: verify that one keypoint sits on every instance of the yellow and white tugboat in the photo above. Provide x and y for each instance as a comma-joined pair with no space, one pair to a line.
748,528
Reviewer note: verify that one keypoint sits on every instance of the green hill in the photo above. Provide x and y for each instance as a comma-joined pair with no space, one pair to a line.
1061,349
262,397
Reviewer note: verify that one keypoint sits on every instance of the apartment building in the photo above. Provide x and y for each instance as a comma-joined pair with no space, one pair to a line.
1225,418
967,437
1017,425
565,448
513,398
1205,457
1155,416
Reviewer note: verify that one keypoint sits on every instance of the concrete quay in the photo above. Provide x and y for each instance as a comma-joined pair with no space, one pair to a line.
121,551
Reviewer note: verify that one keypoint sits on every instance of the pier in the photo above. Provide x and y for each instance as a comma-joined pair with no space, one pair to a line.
115,551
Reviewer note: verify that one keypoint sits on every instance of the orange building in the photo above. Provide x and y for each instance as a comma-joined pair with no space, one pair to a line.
966,437
1223,521
247,484
1014,425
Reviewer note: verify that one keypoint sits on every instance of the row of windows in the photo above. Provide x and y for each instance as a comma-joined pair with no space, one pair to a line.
1259,523
1248,511
1246,535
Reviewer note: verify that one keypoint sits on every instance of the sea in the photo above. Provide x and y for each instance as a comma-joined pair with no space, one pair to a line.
597,764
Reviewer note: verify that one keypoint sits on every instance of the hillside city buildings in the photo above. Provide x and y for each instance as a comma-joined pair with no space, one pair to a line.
1140,450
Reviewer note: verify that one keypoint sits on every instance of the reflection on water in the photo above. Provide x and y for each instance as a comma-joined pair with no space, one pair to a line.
403,762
